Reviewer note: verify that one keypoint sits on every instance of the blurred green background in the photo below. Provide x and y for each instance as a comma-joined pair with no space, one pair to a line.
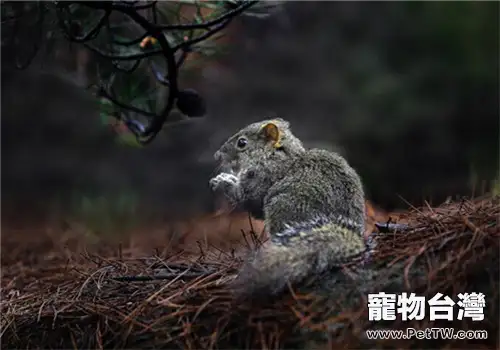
408,92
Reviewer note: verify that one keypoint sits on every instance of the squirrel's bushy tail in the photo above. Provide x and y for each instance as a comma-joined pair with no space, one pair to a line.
278,262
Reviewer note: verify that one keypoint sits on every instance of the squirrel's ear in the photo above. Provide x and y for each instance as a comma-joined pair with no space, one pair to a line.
272,133
283,122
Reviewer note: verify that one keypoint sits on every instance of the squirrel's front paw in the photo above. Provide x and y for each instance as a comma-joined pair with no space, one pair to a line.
223,181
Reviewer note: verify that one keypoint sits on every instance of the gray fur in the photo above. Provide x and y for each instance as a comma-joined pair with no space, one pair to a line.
312,202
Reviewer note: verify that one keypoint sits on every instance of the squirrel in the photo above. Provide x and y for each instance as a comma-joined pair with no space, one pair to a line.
311,201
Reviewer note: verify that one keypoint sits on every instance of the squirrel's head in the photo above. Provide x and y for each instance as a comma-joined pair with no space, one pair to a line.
270,138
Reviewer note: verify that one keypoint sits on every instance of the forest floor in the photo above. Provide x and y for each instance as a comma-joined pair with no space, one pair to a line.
62,288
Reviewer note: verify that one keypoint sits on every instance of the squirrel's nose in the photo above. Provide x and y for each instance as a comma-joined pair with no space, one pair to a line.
218,156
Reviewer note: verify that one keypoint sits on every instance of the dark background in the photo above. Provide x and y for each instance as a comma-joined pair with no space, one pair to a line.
406,91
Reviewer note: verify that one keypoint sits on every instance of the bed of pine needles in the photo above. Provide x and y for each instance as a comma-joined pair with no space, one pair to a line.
173,300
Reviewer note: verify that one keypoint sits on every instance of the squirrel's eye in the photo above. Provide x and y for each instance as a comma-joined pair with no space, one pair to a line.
242,142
